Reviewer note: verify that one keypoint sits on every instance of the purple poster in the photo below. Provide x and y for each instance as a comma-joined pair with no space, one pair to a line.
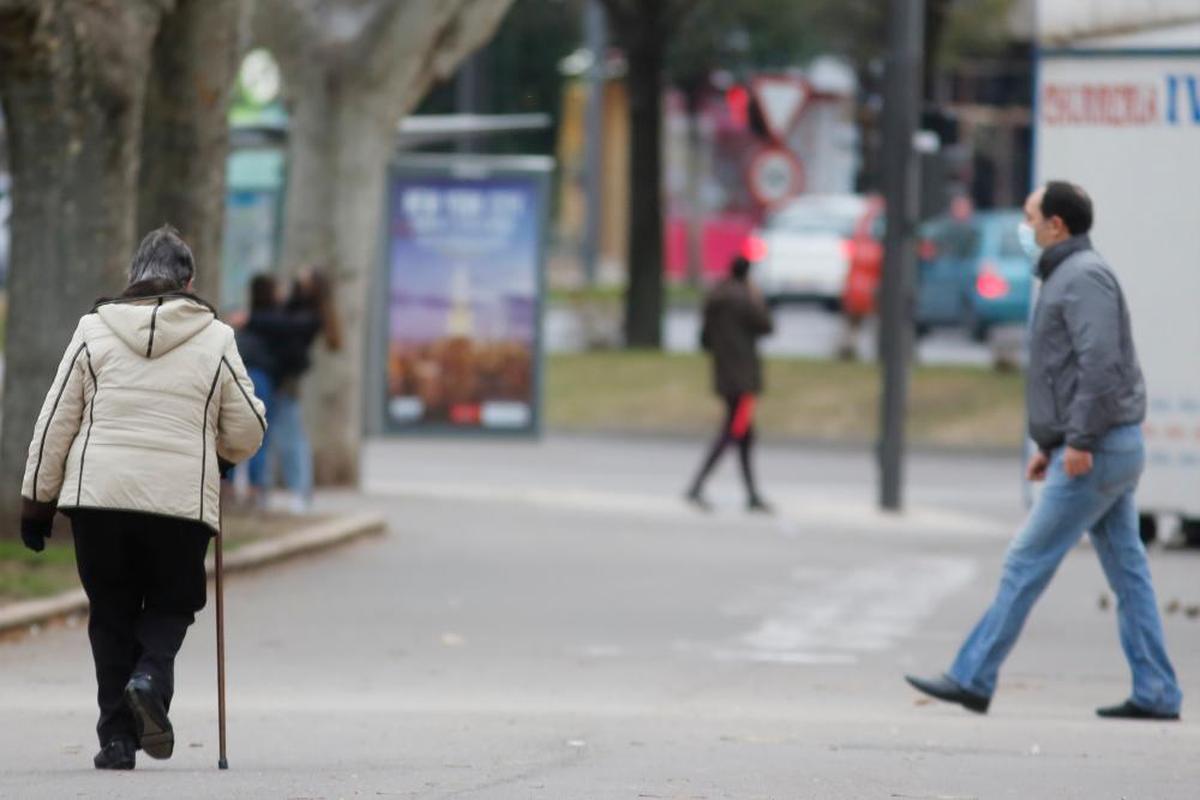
464,267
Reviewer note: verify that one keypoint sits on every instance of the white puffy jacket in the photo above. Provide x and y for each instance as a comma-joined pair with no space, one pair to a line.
150,393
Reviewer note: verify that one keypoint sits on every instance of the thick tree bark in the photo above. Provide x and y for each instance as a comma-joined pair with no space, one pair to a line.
346,96
364,149
644,297
310,234
71,78
185,136
341,155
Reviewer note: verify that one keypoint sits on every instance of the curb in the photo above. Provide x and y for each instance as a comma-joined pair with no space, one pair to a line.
310,539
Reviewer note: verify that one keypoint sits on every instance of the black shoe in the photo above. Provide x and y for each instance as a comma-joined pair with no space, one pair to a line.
696,499
945,689
757,505
120,753
155,734
1130,710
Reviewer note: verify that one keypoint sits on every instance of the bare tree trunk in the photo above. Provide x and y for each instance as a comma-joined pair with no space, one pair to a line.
644,297
346,101
185,136
337,156
697,213
71,83
308,224
363,146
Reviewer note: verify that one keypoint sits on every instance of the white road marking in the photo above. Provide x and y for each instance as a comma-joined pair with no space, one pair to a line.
832,616
813,509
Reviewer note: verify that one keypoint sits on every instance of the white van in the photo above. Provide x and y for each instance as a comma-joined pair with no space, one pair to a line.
802,252
1120,115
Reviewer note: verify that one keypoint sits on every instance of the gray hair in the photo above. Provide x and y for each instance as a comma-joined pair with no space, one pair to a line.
164,256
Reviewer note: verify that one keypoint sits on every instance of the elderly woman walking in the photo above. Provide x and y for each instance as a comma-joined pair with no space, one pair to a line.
150,403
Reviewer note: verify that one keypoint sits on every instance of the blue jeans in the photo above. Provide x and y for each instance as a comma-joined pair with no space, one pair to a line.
258,465
288,445
1101,502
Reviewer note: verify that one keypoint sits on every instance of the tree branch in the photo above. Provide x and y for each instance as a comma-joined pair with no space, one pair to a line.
287,28
425,41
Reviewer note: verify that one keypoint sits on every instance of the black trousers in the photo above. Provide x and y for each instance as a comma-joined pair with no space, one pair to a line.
729,434
145,581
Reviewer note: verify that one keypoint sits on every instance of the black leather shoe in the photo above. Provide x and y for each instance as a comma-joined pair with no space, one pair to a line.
945,689
120,753
1130,710
155,734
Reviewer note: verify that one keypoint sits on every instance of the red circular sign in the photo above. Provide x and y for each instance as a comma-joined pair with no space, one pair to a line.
775,175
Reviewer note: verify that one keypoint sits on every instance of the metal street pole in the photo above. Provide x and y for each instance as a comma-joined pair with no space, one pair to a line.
595,36
466,97
901,112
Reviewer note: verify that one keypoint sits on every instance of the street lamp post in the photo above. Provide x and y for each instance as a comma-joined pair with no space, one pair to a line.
901,110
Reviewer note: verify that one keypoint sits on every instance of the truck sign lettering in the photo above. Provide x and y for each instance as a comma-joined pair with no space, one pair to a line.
1173,101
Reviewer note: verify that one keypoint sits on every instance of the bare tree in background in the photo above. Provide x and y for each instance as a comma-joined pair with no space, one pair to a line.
185,135
352,69
73,83
643,28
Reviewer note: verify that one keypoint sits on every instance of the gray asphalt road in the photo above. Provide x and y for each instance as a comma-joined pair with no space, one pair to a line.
547,621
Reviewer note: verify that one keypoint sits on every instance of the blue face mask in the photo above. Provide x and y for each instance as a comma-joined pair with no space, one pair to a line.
1029,243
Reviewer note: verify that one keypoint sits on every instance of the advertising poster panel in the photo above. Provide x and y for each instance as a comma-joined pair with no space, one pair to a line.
463,261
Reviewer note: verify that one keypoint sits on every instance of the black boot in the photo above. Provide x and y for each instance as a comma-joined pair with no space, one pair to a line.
155,734
119,753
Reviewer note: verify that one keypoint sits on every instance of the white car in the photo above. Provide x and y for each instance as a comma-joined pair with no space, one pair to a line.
802,252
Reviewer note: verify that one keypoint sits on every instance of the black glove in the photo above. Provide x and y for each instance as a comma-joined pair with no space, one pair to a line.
226,467
35,532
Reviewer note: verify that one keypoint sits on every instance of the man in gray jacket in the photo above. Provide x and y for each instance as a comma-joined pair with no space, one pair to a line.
1086,401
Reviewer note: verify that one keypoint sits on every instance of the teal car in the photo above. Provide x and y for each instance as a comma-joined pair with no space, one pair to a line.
972,273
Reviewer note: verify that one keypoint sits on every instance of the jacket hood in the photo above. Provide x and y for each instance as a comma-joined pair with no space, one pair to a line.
155,324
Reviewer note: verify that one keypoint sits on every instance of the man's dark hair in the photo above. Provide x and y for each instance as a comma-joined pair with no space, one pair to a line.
739,268
163,255
1070,203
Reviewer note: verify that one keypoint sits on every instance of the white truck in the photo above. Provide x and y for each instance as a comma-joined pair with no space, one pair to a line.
1119,114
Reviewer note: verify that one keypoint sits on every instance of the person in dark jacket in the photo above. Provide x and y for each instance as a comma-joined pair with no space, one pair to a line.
735,318
1086,403
289,329
262,366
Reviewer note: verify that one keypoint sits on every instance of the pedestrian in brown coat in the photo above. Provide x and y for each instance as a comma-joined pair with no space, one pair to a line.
735,318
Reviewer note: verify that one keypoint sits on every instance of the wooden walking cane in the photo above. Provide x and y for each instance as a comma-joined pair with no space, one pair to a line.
223,762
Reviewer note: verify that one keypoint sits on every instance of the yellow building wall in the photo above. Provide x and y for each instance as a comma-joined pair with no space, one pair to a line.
614,231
